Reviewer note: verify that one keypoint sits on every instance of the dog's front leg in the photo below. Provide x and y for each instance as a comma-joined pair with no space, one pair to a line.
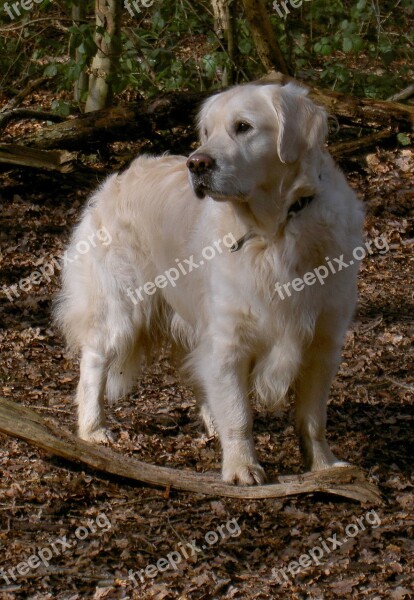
225,383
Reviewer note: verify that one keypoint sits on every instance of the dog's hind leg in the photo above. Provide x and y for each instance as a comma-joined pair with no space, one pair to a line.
90,396
320,364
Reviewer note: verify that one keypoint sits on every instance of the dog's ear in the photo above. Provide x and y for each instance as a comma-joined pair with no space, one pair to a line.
302,124
201,118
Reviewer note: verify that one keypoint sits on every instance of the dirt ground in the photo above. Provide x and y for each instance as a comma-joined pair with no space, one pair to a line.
90,531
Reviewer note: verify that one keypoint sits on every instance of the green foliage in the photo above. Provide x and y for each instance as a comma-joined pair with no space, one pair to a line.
404,139
61,108
357,46
348,38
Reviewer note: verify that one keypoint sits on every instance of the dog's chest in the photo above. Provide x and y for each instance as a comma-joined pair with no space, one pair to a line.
250,293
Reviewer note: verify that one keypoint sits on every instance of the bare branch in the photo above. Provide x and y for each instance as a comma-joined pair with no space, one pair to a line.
24,423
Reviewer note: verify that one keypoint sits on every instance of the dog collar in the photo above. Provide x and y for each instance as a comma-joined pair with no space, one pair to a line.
300,205
295,208
240,243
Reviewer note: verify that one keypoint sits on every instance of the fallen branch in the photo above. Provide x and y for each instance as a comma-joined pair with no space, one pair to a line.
26,113
20,96
142,119
24,423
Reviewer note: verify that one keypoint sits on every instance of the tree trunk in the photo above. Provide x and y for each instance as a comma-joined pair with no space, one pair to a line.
232,39
226,31
106,61
81,84
264,37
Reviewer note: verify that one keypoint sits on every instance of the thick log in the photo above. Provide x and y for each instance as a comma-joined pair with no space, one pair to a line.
55,160
360,145
24,423
139,120
144,118
364,112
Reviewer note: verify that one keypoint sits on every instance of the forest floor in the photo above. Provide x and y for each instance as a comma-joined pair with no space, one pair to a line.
128,527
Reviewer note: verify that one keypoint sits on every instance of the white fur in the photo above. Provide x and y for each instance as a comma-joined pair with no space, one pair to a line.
238,332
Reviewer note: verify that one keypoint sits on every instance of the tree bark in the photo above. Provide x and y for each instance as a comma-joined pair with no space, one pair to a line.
264,37
24,423
226,31
106,60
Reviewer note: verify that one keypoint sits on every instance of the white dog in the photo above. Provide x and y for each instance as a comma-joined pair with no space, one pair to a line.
263,183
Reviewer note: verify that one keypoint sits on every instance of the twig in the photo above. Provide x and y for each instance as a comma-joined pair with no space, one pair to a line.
401,384
32,21
403,94
51,409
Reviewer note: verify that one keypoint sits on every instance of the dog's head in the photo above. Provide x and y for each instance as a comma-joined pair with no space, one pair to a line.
248,135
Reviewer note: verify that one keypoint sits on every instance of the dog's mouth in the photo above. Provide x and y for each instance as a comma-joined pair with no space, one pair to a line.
206,185
201,191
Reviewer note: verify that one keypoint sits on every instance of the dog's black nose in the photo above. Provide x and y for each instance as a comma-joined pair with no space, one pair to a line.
200,163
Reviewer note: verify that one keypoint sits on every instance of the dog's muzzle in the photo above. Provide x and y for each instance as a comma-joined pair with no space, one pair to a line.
201,167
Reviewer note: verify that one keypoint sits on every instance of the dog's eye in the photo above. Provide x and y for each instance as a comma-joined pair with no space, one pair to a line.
242,127
205,133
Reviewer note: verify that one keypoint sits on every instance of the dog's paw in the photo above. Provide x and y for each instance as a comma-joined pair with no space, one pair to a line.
98,436
244,474
332,464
